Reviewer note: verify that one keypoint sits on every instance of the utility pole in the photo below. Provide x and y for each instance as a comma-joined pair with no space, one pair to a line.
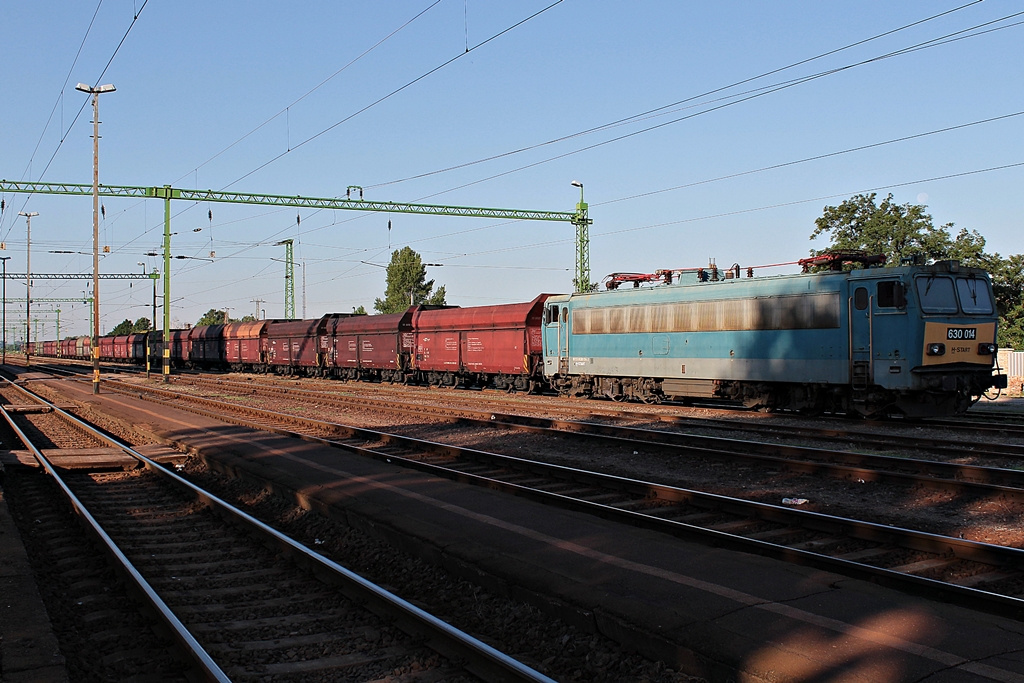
95,92
28,279
226,316
258,302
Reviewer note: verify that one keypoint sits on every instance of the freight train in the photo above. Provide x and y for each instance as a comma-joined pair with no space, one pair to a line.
914,340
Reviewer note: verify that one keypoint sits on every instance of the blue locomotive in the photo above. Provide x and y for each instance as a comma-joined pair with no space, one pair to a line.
917,340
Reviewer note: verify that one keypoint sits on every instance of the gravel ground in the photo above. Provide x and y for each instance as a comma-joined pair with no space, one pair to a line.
990,520
553,647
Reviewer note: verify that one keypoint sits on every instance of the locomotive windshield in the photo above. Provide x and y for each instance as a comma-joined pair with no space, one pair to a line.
939,294
974,295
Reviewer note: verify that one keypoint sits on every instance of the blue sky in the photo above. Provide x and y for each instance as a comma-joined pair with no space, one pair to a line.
275,98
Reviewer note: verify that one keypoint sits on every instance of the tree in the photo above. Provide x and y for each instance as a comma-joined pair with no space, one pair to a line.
406,284
141,325
896,230
1008,286
359,310
213,317
248,318
123,327
903,230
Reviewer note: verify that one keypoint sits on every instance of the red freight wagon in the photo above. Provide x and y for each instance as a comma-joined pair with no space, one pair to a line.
83,347
488,345
181,346
242,344
50,348
292,347
122,349
207,345
368,346
137,348
106,348
67,347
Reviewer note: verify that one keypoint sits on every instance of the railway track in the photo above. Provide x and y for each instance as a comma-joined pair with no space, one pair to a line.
986,423
949,473
238,597
895,434
977,575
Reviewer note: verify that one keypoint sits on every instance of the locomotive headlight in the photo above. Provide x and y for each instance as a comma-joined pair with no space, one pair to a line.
936,349
986,349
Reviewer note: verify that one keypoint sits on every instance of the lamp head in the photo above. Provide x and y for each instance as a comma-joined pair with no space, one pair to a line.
82,87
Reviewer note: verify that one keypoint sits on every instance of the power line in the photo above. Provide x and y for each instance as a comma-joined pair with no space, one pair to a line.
650,112
767,207
60,95
85,102
322,83
818,157
767,90
396,91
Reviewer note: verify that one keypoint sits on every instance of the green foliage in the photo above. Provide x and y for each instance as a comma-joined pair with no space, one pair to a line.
248,319
359,311
1011,329
123,327
214,317
903,230
896,230
1008,285
406,284
126,326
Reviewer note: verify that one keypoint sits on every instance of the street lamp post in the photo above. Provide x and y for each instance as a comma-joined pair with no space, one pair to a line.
28,280
5,259
95,92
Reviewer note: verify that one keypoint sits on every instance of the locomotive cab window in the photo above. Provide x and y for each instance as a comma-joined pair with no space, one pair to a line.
891,294
936,294
974,294
860,298
551,314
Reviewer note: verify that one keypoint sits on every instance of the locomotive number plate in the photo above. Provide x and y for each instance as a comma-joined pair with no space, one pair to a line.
961,333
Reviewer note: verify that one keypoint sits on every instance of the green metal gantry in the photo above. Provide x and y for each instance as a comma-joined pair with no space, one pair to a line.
289,278
578,218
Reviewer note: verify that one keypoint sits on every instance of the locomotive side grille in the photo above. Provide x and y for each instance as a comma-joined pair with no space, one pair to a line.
797,312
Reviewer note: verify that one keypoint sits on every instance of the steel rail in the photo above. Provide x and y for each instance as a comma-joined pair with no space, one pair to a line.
843,464
477,657
189,645
974,598
886,441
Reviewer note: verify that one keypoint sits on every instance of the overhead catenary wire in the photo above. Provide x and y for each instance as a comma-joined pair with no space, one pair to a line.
85,102
321,84
761,92
650,112
395,92
290,148
311,223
